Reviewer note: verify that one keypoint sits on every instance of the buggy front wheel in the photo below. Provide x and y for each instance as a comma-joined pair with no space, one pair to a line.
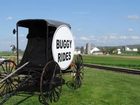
77,73
50,83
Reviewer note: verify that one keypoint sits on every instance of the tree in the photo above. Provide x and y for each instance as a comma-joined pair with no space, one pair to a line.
138,50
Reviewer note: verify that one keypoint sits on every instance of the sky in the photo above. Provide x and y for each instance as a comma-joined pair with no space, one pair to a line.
100,22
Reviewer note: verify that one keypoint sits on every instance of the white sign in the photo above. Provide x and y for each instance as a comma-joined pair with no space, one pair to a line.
63,46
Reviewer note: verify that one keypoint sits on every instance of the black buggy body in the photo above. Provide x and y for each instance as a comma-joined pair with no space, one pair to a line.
38,50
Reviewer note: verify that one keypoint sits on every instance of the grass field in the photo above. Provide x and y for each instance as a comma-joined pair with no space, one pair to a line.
99,88
121,61
5,53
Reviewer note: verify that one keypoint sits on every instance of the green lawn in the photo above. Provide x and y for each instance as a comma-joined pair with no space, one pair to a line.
5,53
121,61
99,88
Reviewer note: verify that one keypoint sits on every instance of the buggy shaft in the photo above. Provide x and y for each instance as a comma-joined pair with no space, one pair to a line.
14,72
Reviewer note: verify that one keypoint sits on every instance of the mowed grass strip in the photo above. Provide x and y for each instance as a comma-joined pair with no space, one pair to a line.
99,88
120,61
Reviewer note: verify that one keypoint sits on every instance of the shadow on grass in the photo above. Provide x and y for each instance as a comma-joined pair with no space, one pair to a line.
24,99
24,96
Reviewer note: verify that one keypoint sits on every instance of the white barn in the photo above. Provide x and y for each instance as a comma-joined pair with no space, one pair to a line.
96,51
77,51
135,49
131,49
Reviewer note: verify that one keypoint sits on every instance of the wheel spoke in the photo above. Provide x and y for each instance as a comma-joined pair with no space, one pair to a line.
1,77
12,67
6,67
51,96
3,68
10,88
57,93
9,67
54,96
13,84
3,91
1,85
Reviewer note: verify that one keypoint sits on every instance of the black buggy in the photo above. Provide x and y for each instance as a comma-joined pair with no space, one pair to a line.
37,71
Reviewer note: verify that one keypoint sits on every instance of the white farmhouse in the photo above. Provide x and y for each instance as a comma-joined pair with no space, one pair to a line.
135,49
128,49
96,51
131,49
77,51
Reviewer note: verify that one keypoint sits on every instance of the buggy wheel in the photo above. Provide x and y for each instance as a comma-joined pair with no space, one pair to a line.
50,83
77,76
77,73
78,69
10,84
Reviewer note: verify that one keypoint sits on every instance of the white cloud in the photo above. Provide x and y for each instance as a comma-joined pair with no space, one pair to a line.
110,39
79,29
135,37
84,38
123,37
133,17
130,29
9,18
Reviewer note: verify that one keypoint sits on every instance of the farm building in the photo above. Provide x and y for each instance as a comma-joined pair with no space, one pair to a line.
135,49
96,51
131,49
119,51
77,51
127,49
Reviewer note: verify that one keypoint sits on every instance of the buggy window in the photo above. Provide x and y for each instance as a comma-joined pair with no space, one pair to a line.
22,41
22,38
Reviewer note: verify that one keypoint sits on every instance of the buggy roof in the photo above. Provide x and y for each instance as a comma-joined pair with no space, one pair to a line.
29,23
40,27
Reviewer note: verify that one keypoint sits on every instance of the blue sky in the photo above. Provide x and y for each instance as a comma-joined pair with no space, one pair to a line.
101,22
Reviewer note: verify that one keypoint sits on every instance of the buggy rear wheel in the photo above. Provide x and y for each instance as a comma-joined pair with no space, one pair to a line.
50,83
77,73
77,77
11,83
78,70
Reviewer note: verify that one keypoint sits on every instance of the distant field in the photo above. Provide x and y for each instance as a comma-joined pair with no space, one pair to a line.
121,61
111,60
99,88
5,53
